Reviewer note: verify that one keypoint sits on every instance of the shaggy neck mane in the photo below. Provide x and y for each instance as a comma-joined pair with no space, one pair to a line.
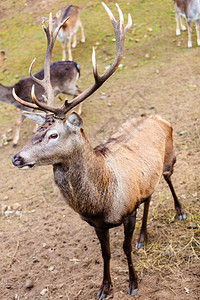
83,179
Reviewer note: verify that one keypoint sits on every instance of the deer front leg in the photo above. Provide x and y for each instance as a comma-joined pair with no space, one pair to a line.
129,226
17,130
143,231
103,235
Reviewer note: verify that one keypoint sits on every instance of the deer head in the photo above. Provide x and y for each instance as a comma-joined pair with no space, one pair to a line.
56,131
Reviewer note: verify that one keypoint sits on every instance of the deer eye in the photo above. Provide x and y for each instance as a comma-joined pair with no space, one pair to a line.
53,136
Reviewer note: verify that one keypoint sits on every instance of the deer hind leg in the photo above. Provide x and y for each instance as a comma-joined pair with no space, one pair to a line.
189,35
69,49
63,51
74,41
104,238
129,226
82,33
181,23
79,108
143,231
197,31
17,130
167,172
77,92
178,18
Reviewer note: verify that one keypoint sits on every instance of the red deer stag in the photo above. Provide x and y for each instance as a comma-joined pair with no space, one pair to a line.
69,29
105,184
190,10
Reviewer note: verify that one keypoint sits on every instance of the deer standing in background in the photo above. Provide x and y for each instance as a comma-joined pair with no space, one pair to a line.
64,75
105,184
69,29
190,10
2,57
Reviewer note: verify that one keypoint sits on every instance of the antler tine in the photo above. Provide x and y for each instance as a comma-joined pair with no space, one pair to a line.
25,103
120,32
51,37
129,22
43,106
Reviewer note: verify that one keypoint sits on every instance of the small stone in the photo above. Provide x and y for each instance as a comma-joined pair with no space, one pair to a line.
4,208
51,268
43,292
147,55
5,198
183,132
8,213
29,284
16,206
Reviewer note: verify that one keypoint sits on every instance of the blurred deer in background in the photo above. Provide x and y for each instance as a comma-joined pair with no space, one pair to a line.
190,10
64,75
105,184
2,57
69,29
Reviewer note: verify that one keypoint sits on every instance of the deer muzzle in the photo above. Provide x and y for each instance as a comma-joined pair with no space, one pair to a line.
20,162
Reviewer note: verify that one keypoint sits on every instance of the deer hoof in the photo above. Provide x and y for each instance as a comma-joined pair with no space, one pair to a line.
182,217
132,292
104,291
139,245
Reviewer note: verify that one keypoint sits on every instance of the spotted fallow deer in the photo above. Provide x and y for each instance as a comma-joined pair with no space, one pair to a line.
69,29
105,184
190,10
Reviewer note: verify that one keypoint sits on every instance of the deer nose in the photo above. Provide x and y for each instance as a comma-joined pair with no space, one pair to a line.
17,160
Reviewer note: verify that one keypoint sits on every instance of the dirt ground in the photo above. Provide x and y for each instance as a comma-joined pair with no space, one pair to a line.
48,252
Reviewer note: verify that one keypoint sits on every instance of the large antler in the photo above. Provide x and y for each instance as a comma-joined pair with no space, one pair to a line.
120,32
45,82
51,37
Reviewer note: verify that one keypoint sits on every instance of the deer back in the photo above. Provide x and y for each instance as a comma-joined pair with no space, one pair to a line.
189,8
137,155
63,79
72,24
121,172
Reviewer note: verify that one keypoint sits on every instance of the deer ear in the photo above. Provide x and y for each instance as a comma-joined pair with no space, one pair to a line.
38,118
74,121
58,14
45,19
